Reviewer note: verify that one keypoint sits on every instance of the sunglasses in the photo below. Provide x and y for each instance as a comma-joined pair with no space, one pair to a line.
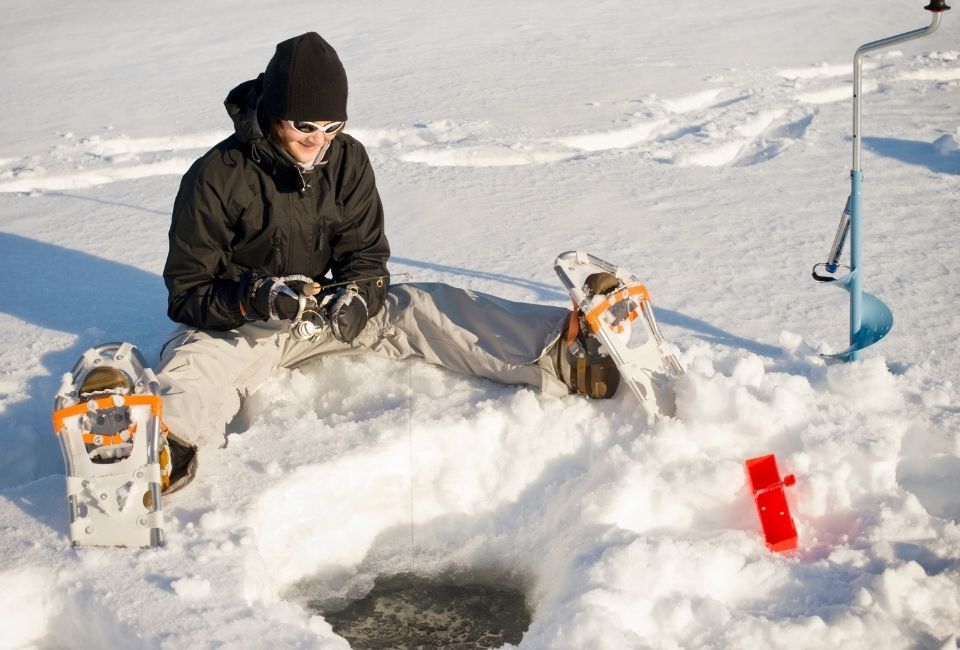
308,128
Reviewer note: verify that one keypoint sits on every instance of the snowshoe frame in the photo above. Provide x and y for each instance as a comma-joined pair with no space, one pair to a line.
116,501
649,369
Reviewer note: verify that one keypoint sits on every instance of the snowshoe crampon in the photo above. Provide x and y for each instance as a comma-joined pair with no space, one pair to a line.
107,415
614,306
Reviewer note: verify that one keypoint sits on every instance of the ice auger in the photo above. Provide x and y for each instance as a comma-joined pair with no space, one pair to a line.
870,318
644,358
107,415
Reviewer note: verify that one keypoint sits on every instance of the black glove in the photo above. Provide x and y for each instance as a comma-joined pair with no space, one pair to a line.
268,297
348,314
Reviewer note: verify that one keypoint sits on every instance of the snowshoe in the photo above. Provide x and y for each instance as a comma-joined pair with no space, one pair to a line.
613,319
107,415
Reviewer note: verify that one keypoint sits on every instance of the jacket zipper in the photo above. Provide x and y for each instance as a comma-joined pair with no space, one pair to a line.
277,254
317,240
303,181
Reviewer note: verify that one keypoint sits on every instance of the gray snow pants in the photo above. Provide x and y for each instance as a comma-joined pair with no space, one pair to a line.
205,374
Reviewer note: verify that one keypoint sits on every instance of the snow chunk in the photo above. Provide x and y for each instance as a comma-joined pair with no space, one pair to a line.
28,600
191,589
868,384
215,520
947,144
909,595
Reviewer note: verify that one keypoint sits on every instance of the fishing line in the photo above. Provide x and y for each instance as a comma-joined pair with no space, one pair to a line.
411,463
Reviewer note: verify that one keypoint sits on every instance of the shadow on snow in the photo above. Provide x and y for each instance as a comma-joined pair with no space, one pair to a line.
913,152
95,300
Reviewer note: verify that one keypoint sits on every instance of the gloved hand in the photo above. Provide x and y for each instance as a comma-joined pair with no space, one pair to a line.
268,297
348,314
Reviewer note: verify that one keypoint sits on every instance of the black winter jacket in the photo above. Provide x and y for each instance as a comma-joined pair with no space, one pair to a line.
246,206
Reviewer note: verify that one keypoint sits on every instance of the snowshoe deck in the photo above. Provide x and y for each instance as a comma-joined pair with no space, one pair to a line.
619,313
107,417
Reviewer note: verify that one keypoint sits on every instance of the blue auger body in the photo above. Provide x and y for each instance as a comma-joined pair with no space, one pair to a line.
870,318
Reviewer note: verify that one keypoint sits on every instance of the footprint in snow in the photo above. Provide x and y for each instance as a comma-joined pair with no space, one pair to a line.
715,127
88,162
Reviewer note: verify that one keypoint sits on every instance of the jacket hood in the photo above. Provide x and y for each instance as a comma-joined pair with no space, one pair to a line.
242,105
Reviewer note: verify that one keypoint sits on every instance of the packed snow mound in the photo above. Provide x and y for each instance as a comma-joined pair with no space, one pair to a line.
647,534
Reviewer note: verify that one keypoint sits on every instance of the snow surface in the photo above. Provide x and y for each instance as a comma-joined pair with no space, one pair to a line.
705,146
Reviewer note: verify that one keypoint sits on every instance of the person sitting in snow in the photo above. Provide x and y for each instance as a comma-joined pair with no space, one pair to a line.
290,193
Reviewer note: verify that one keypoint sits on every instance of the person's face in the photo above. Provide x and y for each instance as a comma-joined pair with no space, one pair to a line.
305,147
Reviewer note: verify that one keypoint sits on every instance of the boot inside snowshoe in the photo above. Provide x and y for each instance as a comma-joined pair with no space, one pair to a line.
595,374
600,284
183,465
586,370
104,441
104,379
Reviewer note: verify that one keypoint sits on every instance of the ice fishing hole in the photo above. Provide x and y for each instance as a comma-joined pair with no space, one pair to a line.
410,611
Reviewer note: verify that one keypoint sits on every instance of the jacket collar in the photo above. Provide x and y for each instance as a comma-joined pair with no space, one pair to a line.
243,107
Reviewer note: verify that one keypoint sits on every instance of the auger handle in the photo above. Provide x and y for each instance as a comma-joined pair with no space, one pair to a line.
936,7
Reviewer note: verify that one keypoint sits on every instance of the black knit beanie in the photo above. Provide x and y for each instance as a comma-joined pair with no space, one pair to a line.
305,81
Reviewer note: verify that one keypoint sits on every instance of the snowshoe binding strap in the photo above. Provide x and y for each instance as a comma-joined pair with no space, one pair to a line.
619,301
108,421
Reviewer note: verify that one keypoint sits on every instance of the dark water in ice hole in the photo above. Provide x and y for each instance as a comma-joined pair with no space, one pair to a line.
409,611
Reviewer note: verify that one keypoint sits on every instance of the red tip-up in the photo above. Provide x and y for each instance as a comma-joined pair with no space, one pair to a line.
768,493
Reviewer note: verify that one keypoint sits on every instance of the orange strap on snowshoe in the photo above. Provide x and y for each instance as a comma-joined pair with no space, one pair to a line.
153,401
593,316
573,324
100,439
